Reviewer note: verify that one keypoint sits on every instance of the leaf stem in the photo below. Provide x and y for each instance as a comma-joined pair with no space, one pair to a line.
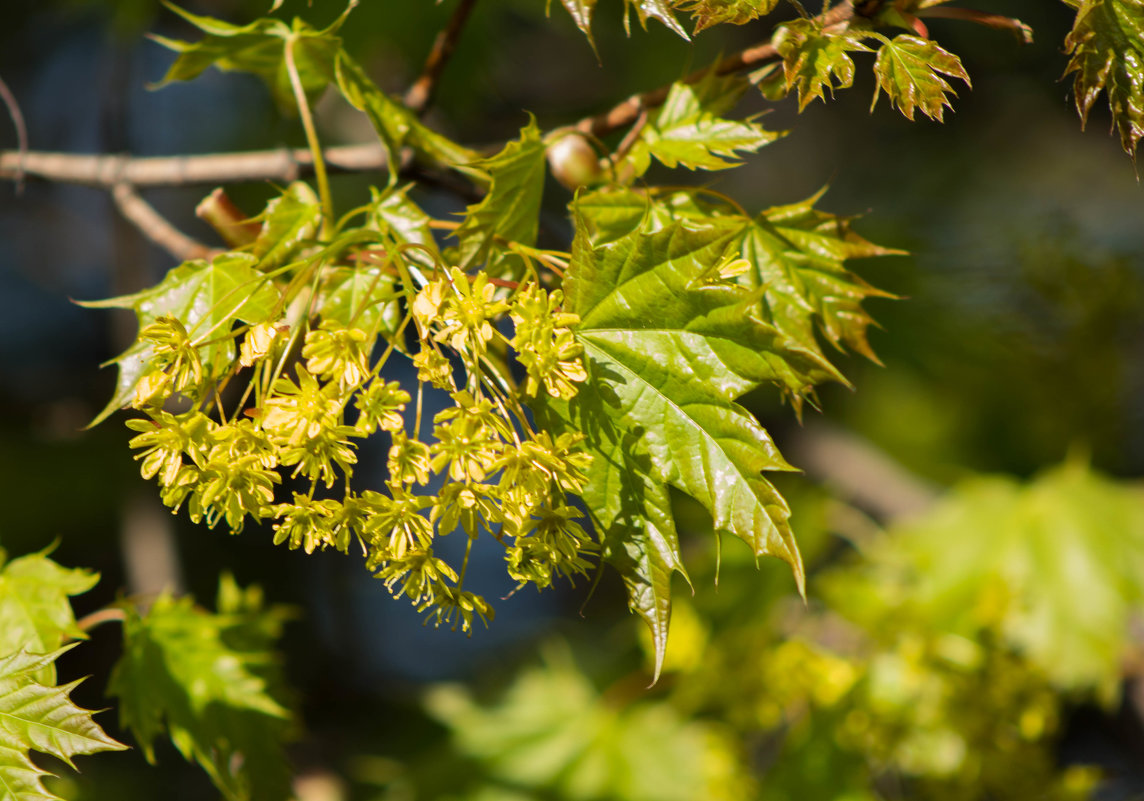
311,137
101,616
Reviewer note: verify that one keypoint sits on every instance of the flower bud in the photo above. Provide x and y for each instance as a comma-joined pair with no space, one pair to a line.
573,161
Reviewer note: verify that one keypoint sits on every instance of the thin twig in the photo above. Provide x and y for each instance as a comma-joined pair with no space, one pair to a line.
155,227
21,131
624,114
106,171
420,94
100,616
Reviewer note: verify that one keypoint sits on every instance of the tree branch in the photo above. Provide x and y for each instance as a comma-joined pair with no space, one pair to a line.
420,94
155,227
627,112
283,164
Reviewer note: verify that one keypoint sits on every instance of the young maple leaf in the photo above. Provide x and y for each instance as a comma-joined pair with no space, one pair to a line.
813,58
908,70
1106,46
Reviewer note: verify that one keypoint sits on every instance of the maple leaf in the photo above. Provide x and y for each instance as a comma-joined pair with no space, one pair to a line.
707,13
258,48
689,129
667,354
35,614
1106,45
581,11
653,9
396,125
1051,566
797,255
210,682
907,69
511,209
207,298
36,717
289,220
813,58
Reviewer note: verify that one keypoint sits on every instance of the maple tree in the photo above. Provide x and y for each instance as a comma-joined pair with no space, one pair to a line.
584,385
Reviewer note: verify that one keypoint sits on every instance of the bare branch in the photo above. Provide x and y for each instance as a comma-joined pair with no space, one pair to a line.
421,92
155,227
106,172
627,112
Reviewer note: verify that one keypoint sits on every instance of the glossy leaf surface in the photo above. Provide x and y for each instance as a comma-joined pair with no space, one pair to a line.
1106,46
689,129
510,211
39,717
814,60
909,70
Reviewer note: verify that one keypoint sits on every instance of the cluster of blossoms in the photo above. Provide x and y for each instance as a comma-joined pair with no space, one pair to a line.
492,472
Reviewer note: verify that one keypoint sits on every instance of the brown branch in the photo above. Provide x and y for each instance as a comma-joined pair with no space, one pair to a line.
420,94
155,227
627,112
106,171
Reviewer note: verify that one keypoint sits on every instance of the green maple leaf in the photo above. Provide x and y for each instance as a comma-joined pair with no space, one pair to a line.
689,128
1052,566
668,352
909,70
396,125
207,298
511,209
554,736
259,48
797,255
1106,45
814,60
35,614
38,717
289,221
707,13
210,682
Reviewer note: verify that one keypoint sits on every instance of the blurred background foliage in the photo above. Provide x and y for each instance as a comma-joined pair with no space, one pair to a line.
984,646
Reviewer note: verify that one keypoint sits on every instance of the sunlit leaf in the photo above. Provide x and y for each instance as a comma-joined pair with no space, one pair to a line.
657,10
707,13
510,211
814,60
211,683
1106,46
581,11
689,129
35,614
909,70
207,298
36,717
668,351
258,48
396,126
289,220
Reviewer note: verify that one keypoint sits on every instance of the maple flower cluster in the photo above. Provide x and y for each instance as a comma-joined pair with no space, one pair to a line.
484,469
